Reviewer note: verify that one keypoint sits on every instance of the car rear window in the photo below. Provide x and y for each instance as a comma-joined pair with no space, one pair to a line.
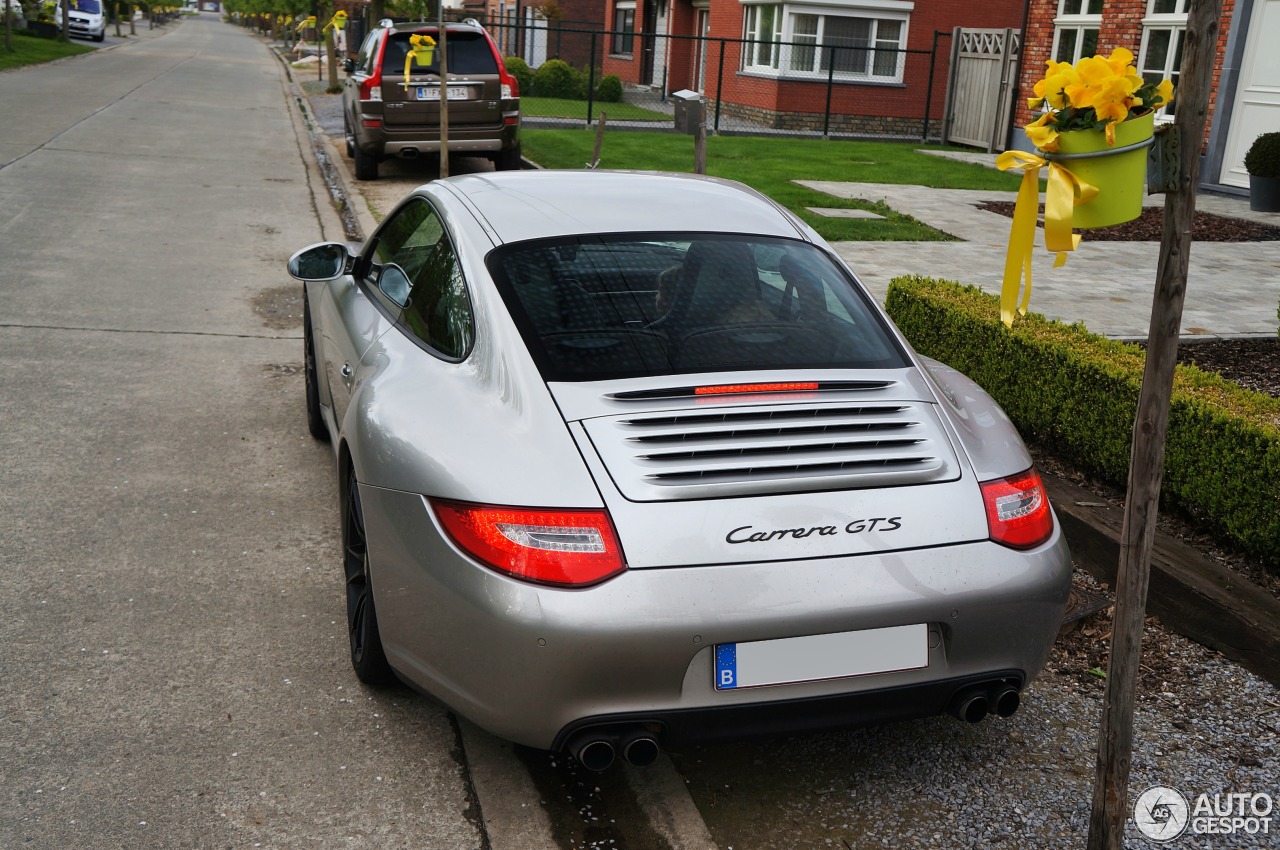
469,53
599,307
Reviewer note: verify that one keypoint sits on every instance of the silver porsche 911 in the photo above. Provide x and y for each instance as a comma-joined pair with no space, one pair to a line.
633,460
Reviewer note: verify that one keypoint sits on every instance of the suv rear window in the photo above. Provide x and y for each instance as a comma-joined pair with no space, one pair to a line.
469,53
600,307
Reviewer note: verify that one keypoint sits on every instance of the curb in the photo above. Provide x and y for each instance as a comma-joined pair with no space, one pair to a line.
1195,596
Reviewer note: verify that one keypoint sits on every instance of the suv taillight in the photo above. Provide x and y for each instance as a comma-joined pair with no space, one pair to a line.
561,547
510,87
371,88
1018,514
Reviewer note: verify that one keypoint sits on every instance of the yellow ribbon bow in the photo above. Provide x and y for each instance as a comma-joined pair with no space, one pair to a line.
1064,191
309,22
338,21
422,49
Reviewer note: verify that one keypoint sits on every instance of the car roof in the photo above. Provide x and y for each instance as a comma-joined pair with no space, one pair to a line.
419,26
520,205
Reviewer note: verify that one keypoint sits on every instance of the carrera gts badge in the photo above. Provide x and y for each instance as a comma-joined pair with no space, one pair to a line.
746,534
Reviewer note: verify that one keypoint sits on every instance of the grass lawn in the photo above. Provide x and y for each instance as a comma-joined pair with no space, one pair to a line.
31,50
769,165
554,107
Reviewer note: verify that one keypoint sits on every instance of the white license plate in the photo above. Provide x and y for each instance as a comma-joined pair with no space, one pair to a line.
433,93
812,658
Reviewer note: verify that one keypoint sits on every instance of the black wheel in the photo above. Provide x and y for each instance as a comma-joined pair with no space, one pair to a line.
100,37
508,159
315,422
351,139
367,657
366,166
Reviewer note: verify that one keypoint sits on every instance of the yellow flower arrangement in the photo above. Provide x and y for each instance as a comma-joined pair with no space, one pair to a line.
1097,91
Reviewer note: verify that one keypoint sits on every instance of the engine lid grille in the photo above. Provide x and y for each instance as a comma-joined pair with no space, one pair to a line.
727,451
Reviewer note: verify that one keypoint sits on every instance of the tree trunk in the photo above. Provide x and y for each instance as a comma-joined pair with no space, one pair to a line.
1111,805
64,31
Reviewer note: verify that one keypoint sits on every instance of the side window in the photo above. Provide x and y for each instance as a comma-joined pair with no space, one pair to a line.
439,310
368,53
406,240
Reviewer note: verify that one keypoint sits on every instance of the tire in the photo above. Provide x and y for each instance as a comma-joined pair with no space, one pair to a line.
366,166
367,657
351,140
315,421
508,159
100,37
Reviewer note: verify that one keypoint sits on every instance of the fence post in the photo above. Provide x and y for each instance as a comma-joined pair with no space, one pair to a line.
831,80
928,98
591,79
947,104
719,86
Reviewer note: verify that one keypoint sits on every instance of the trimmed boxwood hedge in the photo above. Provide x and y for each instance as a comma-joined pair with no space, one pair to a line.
1077,393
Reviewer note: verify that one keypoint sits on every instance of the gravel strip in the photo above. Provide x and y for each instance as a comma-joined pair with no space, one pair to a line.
1203,725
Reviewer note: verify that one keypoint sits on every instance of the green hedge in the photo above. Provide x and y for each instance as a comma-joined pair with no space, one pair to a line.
1076,393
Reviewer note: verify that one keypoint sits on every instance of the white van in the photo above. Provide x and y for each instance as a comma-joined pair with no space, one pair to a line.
88,19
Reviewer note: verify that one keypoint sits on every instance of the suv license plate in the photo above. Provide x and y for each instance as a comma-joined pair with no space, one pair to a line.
815,657
433,93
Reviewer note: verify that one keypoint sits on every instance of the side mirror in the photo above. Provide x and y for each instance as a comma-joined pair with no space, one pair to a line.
349,65
324,261
394,283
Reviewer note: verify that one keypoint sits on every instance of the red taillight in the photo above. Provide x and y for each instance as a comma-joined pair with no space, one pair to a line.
1018,514
730,389
570,547
371,88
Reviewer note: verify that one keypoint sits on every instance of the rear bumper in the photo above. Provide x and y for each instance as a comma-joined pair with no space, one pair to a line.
532,664
384,141
680,727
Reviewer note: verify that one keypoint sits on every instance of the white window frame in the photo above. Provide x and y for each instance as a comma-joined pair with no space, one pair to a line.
617,37
1174,23
781,57
1079,22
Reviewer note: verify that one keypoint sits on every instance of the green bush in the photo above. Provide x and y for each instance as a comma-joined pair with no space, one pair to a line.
1077,393
1263,158
520,69
610,90
556,78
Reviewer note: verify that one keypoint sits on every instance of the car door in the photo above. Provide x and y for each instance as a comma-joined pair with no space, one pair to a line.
357,310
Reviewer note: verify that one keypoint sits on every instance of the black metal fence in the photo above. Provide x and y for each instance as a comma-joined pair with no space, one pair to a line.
854,89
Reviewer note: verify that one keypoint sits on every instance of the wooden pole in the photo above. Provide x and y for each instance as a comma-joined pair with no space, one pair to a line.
595,153
1146,463
444,94
700,140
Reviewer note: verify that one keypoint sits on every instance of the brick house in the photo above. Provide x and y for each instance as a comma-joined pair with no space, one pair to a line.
1244,100
876,53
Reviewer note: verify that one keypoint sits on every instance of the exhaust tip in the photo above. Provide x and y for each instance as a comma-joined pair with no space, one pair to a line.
641,751
596,754
970,707
1006,701
409,153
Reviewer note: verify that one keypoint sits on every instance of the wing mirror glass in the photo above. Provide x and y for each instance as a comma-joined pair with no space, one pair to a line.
320,262
349,65
394,283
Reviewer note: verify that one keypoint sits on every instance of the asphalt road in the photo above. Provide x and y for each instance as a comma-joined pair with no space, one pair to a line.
174,670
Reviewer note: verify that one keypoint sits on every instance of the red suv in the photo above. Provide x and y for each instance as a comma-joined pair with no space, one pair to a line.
388,115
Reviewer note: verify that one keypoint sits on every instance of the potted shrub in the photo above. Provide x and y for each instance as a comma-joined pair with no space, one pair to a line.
1263,164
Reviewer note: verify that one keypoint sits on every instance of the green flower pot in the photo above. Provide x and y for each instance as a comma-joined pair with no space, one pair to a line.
1120,177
